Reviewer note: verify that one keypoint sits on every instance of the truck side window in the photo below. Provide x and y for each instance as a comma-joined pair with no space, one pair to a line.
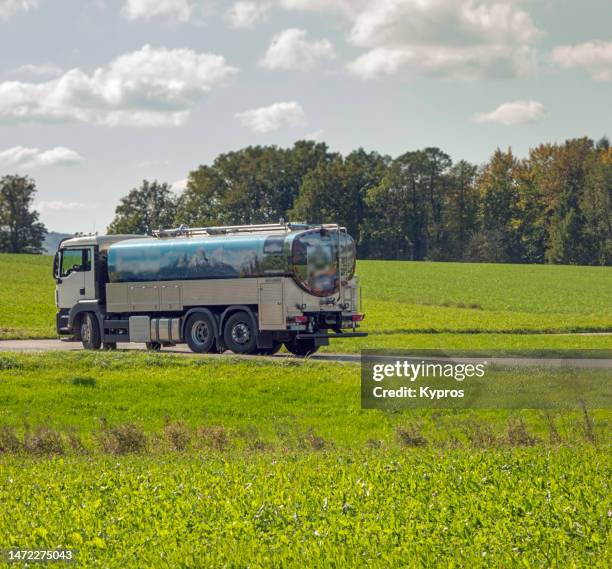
75,260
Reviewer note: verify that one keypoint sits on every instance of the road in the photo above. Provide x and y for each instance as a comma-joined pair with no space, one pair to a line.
32,346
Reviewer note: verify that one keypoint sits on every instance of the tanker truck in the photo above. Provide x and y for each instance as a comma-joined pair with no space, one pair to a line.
246,288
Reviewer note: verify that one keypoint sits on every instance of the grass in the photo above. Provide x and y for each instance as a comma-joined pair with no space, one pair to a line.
27,308
147,460
407,304
273,401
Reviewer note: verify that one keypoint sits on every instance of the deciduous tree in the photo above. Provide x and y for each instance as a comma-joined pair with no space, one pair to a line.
20,230
146,208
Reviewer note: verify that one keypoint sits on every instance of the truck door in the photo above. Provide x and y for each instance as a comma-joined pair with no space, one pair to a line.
271,310
76,280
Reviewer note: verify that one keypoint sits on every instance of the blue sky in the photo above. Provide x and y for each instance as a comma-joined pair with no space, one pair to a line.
97,95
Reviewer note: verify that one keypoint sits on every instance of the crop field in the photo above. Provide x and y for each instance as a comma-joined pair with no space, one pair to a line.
511,508
406,304
157,460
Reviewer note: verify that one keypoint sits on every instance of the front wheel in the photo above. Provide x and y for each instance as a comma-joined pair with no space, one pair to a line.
90,332
240,334
302,348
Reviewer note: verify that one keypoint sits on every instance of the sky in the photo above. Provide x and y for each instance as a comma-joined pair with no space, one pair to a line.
96,96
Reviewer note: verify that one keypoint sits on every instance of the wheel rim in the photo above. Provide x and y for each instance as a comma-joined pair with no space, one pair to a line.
86,330
241,333
200,332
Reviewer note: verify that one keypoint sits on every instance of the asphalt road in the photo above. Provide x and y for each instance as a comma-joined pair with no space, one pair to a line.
33,346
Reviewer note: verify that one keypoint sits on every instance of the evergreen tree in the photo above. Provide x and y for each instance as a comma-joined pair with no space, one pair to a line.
499,205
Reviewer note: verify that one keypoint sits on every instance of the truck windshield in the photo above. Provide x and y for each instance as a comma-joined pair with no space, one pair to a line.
75,260
315,261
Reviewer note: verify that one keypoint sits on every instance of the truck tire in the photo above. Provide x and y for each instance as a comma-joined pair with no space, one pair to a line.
302,348
200,333
90,332
240,334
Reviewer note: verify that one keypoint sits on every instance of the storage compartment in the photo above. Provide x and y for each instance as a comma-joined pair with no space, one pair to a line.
139,329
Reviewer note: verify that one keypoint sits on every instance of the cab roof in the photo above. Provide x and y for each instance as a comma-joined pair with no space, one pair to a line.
102,241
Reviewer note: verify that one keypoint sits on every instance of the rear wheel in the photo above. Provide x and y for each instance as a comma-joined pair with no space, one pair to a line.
90,332
200,333
239,333
303,348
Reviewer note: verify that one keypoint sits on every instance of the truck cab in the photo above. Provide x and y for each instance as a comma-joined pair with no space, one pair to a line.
78,268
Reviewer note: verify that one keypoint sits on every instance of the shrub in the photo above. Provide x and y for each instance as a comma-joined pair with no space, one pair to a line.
76,444
518,435
44,440
8,440
481,435
214,436
178,435
124,439
410,436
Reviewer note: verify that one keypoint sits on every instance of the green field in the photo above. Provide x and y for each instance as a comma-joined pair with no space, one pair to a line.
27,308
512,508
159,460
406,304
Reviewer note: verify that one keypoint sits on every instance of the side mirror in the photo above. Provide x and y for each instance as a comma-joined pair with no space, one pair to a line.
55,264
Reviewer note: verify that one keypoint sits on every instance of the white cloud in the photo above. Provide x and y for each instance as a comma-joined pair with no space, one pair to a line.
273,117
180,185
463,63
291,49
9,8
39,70
148,87
246,14
146,9
341,6
58,205
595,57
458,39
513,113
23,158
459,22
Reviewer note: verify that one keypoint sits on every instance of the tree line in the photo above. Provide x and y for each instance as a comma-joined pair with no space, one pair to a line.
554,206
